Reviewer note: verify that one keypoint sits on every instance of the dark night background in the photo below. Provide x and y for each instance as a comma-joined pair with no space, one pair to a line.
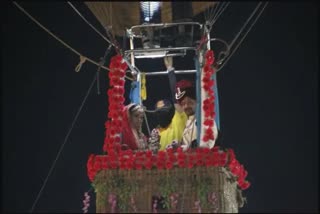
268,94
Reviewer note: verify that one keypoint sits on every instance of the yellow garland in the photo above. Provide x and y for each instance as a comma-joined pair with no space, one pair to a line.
143,87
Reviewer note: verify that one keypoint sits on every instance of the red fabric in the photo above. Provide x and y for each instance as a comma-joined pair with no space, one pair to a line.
183,84
127,132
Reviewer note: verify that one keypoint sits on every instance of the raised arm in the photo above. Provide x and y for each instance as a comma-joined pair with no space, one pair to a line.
172,82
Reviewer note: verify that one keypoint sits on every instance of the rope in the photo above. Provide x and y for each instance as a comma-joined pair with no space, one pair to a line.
209,12
57,38
63,144
147,124
215,10
82,60
215,18
245,24
75,9
62,42
233,51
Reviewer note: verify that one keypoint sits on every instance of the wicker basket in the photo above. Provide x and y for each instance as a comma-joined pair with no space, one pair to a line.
135,189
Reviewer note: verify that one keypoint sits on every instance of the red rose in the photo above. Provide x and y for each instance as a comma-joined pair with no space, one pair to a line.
245,185
149,153
160,165
97,165
117,139
138,166
172,158
181,163
169,164
206,87
121,82
104,162
113,164
206,68
208,162
179,150
129,165
104,147
209,57
122,166
205,139
199,163
148,164
190,165
169,150
121,90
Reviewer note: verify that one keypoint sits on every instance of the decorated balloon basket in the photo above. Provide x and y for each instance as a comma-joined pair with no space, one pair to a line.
198,181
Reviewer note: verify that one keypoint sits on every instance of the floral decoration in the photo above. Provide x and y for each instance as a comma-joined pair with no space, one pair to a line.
208,102
166,160
116,100
86,202
127,160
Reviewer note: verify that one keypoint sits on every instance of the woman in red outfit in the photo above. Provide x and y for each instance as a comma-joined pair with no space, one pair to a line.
132,136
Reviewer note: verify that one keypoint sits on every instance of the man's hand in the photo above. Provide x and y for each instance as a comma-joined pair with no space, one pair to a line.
173,145
168,62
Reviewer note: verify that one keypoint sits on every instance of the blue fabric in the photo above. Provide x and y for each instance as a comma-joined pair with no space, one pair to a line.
135,92
216,106
199,101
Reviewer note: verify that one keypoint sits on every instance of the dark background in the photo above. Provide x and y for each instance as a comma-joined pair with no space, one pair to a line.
268,105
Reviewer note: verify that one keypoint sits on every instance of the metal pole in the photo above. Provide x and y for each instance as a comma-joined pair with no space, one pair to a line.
131,48
166,72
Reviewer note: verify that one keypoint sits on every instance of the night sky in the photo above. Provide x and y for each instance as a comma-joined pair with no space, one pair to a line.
268,94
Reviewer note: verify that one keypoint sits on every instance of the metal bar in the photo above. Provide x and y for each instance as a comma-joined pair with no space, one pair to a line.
166,24
132,48
159,49
166,72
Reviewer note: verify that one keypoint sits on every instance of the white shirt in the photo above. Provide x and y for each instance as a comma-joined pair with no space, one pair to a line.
190,134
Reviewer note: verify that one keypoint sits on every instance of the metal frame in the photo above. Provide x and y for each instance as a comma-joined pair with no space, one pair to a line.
162,25
170,51
166,51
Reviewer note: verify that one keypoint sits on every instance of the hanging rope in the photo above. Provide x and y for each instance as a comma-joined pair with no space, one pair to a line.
212,11
114,43
245,24
75,9
147,124
62,42
82,60
218,14
63,144
237,46
57,38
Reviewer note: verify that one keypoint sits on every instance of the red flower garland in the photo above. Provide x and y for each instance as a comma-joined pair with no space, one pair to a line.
128,160
208,103
116,100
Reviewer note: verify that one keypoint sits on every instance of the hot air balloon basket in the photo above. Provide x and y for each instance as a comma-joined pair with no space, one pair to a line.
176,190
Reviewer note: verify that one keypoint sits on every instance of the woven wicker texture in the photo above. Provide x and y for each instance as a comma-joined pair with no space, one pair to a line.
134,190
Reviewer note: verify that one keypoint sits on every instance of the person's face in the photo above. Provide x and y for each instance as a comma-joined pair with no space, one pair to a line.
188,105
137,119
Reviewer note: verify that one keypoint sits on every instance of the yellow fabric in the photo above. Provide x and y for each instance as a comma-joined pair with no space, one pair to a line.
174,130
143,87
